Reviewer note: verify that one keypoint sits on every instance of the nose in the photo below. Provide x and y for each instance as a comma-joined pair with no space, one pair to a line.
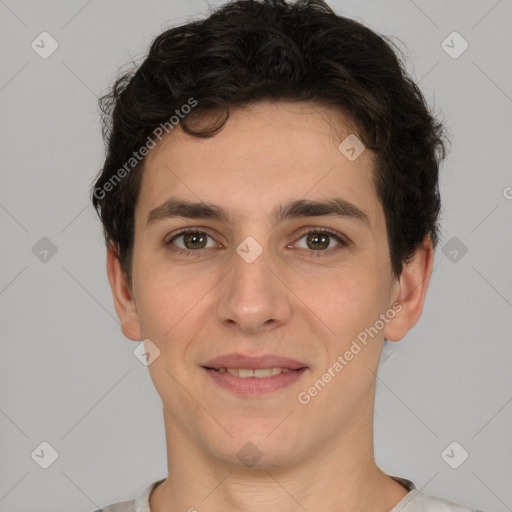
253,297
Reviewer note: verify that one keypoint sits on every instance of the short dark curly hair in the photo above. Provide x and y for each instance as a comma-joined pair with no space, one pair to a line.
251,50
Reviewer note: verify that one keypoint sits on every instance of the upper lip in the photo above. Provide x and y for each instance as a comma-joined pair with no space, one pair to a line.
254,362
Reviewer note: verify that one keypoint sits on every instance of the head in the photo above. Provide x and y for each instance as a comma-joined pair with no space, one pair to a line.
243,114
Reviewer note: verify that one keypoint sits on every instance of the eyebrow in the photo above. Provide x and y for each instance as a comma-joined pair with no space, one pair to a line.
300,208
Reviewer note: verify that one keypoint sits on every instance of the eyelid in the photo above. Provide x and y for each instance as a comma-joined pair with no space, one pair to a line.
320,229
184,231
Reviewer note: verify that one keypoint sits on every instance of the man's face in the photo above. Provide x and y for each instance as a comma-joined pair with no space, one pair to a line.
305,297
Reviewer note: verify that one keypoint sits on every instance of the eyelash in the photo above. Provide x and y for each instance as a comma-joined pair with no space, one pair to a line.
319,231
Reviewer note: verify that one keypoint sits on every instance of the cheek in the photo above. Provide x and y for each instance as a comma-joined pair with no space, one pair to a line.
171,305
161,301
348,303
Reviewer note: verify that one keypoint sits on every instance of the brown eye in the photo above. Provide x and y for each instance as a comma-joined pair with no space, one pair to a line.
319,240
191,239
194,240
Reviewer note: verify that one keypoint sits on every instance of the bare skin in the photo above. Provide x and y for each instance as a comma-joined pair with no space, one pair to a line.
294,300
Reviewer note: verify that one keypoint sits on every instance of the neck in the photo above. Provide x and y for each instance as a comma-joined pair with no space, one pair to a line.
337,474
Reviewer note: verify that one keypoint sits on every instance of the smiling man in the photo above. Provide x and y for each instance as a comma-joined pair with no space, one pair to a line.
269,201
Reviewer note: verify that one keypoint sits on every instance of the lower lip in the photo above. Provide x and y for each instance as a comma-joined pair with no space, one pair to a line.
252,386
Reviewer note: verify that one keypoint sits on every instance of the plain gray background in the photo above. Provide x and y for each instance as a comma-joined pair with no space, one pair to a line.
69,377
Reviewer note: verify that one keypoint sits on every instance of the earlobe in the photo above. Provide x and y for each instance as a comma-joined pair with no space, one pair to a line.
123,299
411,291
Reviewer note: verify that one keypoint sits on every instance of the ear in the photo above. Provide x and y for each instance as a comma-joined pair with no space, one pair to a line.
123,300
410,292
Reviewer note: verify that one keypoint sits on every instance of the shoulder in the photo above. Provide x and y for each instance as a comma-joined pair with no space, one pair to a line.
138,504
122,506
417,501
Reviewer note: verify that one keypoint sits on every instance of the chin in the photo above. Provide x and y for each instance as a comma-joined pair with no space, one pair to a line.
254,459
261,448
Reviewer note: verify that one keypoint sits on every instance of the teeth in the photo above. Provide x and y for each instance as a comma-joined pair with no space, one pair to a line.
260,373
267,372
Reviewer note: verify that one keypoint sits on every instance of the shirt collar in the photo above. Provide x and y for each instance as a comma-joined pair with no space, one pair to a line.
142,500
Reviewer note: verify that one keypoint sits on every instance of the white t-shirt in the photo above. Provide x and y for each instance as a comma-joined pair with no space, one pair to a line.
415,501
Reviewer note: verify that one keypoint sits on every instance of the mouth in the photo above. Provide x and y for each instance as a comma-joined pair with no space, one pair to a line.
252,376
258,373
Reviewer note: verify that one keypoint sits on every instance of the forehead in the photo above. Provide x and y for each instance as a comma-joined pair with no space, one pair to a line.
265,156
